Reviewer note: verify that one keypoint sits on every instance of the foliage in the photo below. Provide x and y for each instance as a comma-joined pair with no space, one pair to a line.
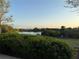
73,3
6,28
74,33
34,47
4,6
62,33
36,29
52,33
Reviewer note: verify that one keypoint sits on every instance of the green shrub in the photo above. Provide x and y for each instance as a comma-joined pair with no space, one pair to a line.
7,41
52,33
34,47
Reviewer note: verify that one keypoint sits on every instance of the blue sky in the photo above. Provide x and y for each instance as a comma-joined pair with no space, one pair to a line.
42,13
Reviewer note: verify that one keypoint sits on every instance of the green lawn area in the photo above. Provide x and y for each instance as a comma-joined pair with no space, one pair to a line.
72,43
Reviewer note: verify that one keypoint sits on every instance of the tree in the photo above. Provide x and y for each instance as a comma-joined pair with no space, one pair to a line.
72,3
62,30
36,29
7,28
4,5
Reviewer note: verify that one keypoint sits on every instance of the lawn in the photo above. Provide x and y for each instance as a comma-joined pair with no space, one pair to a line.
73,43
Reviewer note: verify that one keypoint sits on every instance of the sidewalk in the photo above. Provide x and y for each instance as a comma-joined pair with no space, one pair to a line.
7,57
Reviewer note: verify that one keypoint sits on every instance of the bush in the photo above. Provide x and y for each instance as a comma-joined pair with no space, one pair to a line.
8,41
6,28
52,33
34,47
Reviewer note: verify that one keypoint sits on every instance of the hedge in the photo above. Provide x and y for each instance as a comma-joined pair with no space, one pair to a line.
34,47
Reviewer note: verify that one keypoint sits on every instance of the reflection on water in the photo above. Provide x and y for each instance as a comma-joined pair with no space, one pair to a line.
30,33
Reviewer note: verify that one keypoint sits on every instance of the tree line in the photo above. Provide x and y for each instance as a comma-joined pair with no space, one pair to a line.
62,32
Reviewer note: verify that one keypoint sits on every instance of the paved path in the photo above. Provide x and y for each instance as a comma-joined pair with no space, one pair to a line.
7,57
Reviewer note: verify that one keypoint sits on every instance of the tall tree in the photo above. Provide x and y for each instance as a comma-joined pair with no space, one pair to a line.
4,5
72,3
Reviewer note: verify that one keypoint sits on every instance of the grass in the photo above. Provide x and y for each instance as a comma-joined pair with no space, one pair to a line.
73,43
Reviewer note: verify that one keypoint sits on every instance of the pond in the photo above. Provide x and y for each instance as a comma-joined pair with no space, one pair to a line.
31,33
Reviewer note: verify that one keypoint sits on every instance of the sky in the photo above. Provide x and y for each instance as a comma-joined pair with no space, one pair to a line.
42,14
